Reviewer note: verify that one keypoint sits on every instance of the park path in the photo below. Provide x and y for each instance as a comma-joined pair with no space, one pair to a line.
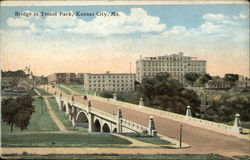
52,114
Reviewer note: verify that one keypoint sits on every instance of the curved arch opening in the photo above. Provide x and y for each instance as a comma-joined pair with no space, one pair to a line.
105,128
82,120
97,126
115,130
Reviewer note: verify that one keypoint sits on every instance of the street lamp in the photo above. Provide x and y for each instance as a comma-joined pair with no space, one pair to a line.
181,136
205,116
41,98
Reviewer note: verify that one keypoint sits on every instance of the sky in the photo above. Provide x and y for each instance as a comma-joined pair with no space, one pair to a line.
218,33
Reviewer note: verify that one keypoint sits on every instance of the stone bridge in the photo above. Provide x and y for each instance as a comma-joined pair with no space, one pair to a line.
84,115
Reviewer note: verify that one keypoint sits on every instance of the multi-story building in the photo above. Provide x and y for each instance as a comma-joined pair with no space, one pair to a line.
61,77
176,64
80,77
118,82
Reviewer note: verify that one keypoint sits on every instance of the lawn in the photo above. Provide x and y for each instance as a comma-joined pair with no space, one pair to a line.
60,114
43,92
40,121
79,139
64,90
78,88
148,139
124,156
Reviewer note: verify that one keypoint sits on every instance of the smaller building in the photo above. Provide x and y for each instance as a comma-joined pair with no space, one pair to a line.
80,77
117,82
24,84
218,84
243,82
61,78
6,84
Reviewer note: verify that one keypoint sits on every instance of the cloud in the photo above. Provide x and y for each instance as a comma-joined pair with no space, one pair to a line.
18,22
210,27
137,22
214,17
243,15
61,21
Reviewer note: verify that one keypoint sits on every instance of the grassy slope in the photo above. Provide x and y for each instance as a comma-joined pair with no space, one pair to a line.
148,139
79,139
64,90
39,121
67,123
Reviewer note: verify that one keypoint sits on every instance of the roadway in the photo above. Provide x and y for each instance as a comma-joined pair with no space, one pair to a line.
202,141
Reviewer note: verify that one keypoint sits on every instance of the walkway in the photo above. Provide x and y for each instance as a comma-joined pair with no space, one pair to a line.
53,114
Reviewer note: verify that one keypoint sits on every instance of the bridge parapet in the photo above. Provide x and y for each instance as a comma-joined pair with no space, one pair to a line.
105,115
217,127
133,126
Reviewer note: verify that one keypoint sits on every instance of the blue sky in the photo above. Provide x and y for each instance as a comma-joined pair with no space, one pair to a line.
218,33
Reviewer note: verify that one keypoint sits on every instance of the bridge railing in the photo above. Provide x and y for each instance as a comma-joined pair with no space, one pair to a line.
103,114
222,128
133,126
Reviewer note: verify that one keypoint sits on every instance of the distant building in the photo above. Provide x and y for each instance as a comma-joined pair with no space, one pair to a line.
117,82
6,84
61,78
24,84
243,82
176,64
80,76
218,83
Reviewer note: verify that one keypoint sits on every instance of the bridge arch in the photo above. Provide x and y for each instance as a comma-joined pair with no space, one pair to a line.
105,128
64,107
82,119
114,130
97,126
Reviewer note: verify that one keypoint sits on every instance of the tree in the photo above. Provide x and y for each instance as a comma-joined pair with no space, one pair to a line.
9,111
192,77
231,78
231,103
169,94
17,111
203,79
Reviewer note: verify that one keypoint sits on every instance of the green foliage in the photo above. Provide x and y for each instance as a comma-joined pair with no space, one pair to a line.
17,111
231,77
40,120
148,139
77,139
17,73
169,94
191,77
203,79
61,116
230,103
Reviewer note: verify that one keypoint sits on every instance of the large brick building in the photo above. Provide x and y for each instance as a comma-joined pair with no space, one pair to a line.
176,64
118,82
61,77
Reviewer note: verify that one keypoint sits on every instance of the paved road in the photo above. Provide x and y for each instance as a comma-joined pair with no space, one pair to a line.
201,140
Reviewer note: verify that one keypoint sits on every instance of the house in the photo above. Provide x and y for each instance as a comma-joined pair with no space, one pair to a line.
218,83
6,84
24,84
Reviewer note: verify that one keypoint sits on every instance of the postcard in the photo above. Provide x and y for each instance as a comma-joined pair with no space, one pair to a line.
125,79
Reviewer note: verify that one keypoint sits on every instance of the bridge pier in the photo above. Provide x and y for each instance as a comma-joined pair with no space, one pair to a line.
141,104
237,125
90,117
188,112
151,127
